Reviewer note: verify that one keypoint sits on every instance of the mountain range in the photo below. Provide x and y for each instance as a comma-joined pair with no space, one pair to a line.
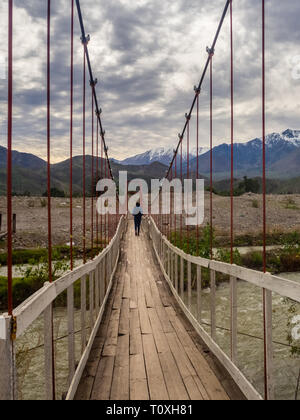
282,153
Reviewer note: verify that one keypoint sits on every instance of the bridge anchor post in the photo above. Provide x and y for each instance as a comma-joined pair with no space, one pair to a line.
8,377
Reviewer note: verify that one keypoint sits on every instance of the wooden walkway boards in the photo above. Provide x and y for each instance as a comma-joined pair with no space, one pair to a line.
145,348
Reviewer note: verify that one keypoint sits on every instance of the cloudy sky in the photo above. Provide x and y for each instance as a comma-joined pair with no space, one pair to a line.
148,55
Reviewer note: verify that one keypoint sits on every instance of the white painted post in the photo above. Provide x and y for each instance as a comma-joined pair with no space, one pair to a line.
199,293
213,304
49,353
176,272
8,377
182,277
189,266
71,335
91,299
97,290
233,318
83,314
268,325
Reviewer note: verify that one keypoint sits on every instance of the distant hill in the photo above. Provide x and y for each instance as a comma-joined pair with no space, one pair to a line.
30,173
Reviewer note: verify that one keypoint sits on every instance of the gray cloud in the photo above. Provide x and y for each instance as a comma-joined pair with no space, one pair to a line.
148,55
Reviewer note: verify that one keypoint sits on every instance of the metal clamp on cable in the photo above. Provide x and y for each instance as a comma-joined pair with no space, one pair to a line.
180,136
93,82
210,51
85,39
188,117
197,90
98,112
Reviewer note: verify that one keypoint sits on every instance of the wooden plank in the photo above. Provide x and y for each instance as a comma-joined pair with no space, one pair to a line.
148,295
120,384
138,379
208,378
136,346
126,291
103,380
124,318
159,336
164,294
111,341
156,382
185,367
174,382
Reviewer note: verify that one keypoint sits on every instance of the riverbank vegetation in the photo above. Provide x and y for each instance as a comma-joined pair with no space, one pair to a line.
286,258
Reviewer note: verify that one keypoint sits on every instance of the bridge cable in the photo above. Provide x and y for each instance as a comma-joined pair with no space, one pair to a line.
232,136
71,133
9,159
92,180
202,77
188,177
49,181
211,53
264,200
85,39
49,140
97,178
197,177
83,154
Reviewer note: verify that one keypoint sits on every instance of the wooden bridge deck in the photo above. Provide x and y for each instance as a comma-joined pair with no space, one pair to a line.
145,348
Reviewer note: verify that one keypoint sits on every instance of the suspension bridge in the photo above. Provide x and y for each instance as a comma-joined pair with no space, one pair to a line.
140,333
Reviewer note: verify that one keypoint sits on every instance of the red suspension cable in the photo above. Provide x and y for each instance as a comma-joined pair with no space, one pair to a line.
175,215
232,137
97,178
48,141
181,177
101,175
197,176
49,178
9,157
92,180
84,169
188,177
264,137
211,155
264,199
71,134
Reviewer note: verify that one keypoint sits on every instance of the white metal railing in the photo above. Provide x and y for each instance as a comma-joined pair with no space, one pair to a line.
177,269
100,273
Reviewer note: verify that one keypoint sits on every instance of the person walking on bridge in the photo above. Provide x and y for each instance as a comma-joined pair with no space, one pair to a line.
138,215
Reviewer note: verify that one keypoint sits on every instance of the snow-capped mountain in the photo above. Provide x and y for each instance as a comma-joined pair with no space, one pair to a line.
161,155
280,149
